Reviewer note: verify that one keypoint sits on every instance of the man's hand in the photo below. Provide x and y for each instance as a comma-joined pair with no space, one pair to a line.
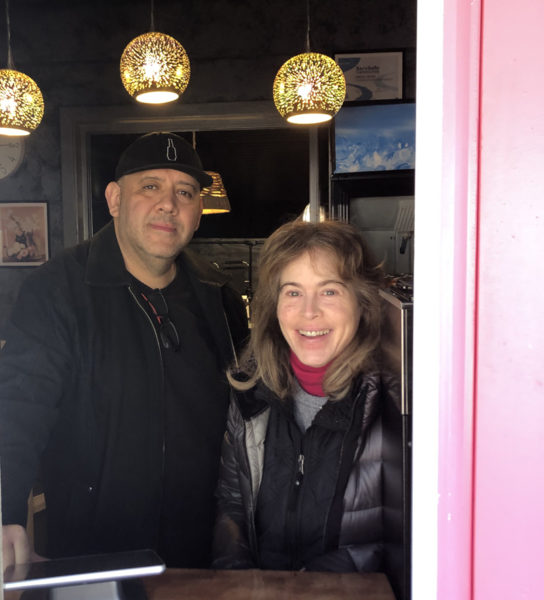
15,545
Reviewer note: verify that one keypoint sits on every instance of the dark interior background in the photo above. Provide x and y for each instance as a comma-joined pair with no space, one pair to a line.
72,48
265,173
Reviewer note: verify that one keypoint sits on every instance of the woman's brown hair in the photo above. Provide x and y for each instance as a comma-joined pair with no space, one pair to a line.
266,356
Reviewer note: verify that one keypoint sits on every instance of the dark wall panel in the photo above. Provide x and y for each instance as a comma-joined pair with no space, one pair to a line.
72,50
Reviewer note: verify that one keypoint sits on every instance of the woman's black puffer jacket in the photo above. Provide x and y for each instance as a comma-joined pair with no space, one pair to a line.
315,501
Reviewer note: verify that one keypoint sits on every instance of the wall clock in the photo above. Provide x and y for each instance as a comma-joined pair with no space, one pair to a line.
12,150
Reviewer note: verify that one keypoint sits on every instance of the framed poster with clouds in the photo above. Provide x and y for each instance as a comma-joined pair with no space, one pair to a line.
374,137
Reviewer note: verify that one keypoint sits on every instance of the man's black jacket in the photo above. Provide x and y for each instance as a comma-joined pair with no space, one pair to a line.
81,358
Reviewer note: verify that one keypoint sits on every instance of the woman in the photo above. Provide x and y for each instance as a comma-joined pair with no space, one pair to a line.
302,467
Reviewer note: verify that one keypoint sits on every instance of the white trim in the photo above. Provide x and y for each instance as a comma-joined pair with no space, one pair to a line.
427,266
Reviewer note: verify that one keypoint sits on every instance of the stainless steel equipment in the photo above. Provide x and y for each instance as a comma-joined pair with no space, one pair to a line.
397,350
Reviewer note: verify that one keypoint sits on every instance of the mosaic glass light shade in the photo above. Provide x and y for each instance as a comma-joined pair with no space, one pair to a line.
21,103
214,197
309,88
155,68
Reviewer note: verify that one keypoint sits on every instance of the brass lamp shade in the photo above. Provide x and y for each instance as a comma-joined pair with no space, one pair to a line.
21,103
306,214
155,68
214,197
309,88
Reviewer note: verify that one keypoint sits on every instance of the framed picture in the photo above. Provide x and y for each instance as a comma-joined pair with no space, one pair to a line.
24,234
375,137
372,75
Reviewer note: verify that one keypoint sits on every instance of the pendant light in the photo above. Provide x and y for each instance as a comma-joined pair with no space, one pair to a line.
306,214
310,87
214,197
155,68
21,101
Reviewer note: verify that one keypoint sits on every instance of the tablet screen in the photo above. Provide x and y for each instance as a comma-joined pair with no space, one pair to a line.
83,569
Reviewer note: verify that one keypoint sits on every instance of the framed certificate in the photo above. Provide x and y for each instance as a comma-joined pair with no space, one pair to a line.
372,75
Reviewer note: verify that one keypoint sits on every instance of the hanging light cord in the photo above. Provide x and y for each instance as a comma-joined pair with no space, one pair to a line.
307,25
152,20
10,58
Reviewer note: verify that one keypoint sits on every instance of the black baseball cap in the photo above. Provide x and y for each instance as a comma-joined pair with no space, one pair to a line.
162,150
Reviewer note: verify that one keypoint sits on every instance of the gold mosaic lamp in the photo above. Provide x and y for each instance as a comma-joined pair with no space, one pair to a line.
309,88
155,68
21,101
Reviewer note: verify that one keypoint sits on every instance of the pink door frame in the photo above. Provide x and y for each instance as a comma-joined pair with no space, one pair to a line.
509,457
479,282
444,304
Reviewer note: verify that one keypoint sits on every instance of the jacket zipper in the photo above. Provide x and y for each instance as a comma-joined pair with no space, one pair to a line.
157,340
234,355
300,472
338,468
250,511
292,511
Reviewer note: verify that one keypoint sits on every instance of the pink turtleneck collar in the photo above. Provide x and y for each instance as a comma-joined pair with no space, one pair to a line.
310,378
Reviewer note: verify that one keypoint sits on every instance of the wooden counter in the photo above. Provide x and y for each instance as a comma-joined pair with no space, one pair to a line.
203,584
200,584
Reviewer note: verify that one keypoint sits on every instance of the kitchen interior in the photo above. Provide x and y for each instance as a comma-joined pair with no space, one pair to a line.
272,170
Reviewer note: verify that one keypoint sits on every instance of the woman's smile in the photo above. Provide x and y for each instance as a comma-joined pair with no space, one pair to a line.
317,311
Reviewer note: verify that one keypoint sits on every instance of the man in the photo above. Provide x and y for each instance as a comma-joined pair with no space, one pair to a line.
111,378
